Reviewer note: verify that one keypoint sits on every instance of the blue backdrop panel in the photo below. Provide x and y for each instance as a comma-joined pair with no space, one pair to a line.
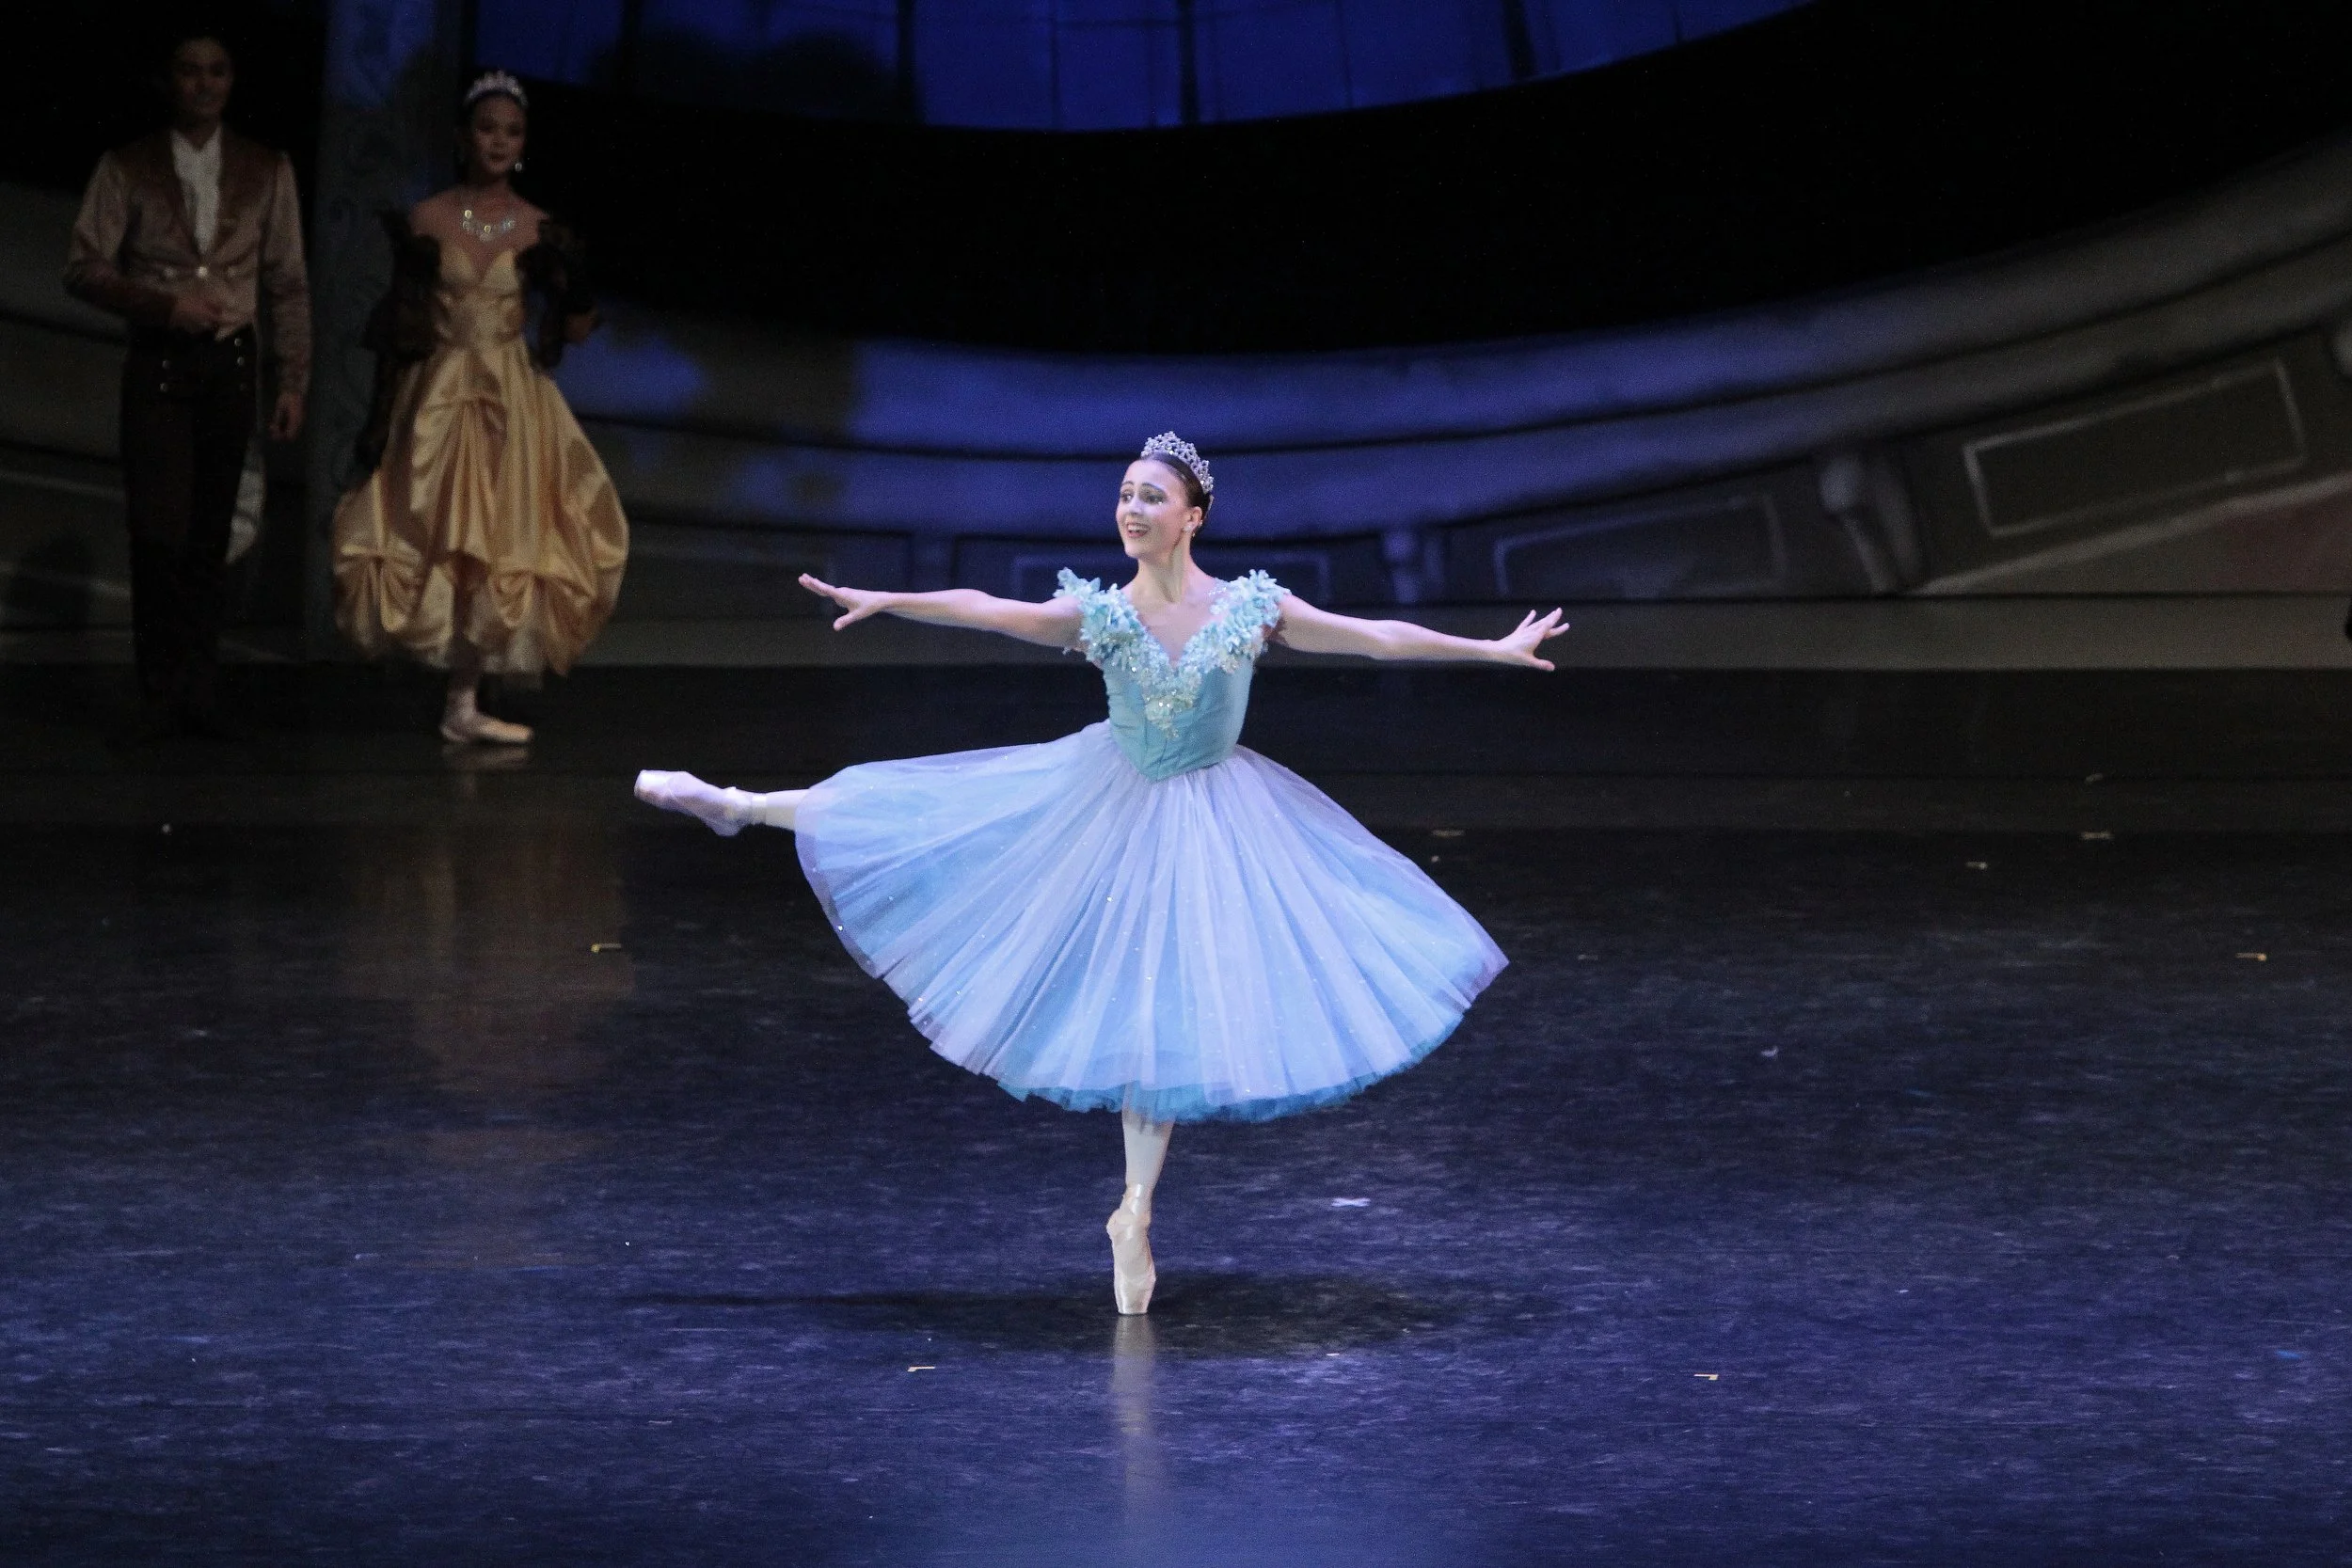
1698,18
1401,50
1079,65
563,43
1578,35
756,26
988,65
1272,58
837,59
1118,67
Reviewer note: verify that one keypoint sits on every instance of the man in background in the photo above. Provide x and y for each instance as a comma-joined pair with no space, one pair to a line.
188,234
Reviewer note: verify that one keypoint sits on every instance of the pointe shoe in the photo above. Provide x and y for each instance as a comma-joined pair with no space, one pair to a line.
1132,1275
479,728
723,811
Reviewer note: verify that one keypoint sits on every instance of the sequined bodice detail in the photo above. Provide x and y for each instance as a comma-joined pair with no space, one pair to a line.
1174,715
477,309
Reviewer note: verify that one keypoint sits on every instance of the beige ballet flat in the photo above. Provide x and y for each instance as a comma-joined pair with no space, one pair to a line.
480,729
1132,1275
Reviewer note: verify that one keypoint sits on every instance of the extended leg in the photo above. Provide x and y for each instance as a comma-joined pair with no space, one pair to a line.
726,812
1129,1225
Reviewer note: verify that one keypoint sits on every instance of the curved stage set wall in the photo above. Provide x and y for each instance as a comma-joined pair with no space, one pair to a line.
2158,407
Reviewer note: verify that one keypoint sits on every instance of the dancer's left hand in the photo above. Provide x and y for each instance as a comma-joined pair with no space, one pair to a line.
859,602
1533,633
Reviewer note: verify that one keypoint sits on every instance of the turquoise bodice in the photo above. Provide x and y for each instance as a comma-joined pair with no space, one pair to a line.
1173,715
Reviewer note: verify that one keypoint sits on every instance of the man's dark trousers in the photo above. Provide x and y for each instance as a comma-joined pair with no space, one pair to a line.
187,414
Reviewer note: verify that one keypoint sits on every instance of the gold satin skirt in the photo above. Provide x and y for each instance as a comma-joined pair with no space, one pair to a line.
490,521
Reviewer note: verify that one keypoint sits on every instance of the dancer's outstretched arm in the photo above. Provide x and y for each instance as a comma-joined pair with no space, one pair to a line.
728,812
1319,631
1054,622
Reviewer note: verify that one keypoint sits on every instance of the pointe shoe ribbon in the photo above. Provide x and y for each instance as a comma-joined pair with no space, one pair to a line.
1131,1274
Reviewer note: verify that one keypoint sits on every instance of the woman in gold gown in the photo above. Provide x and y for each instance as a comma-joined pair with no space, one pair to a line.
485,535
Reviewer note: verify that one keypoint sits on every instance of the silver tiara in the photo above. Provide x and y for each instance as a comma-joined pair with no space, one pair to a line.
1167,444
497,83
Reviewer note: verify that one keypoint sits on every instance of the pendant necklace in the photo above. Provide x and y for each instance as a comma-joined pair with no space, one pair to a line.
485,234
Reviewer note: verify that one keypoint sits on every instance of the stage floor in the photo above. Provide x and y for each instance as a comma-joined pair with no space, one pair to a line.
413,1163
2056,751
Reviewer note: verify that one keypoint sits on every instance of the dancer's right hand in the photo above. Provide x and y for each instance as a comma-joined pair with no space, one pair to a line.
859,602
196,313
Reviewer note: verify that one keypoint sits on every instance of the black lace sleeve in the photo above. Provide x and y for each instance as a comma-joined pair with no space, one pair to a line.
399,331
556,269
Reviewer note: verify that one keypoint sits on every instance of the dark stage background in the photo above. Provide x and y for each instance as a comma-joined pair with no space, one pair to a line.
1839,142
1857,300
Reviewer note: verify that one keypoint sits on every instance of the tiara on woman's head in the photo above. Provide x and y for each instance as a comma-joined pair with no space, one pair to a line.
1167,444
497,83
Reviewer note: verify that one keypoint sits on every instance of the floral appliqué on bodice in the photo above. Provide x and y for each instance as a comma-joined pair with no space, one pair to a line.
1113,635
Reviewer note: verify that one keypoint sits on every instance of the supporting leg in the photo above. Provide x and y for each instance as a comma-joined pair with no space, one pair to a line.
222,414
462,718
465,685
158,478
1129,1225
726,812
1147,1151
154,595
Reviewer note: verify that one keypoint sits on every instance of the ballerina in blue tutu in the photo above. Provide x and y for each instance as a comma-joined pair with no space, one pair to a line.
1143,916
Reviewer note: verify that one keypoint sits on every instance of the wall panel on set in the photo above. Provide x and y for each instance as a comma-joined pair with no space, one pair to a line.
1732,546
2040,478
1760,536
2239,425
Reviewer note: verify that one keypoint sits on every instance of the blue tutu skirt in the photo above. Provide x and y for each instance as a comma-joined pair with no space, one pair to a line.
1226,942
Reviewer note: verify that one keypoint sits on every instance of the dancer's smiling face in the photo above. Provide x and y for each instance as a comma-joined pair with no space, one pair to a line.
1156,514
491,140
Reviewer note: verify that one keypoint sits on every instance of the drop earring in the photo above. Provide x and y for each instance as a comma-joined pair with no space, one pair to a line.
518,165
